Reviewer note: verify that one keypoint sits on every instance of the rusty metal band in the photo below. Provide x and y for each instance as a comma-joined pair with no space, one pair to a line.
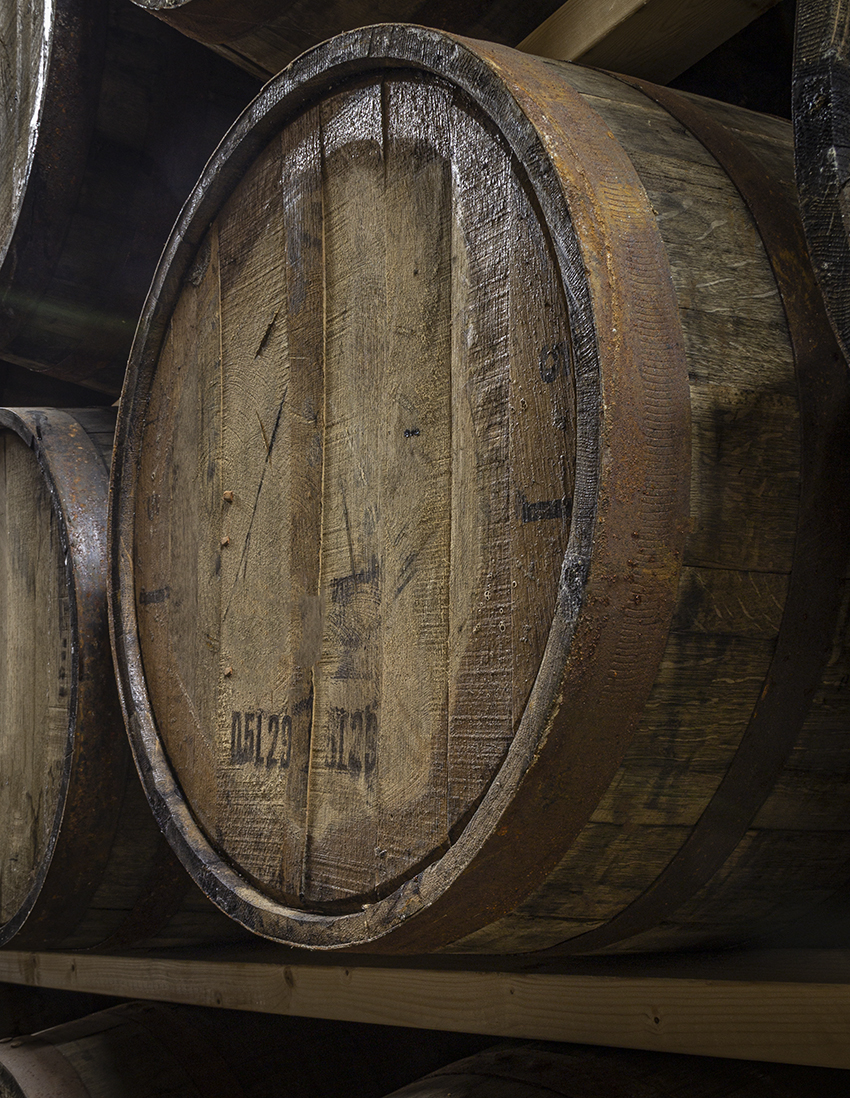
31,1067
821,547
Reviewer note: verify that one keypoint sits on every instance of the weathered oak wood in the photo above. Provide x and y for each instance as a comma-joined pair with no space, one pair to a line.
489,443
82,862
657,40
108,119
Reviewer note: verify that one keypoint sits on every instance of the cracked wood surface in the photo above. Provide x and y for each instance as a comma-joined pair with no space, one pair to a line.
349,541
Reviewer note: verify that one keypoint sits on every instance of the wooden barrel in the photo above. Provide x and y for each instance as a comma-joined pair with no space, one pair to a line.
479,514
821,110
27,1009
149,1050
110,117
82,862
528,1071
262,36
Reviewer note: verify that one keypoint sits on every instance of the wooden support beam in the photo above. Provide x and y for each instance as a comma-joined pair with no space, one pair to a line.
653,39
775,1019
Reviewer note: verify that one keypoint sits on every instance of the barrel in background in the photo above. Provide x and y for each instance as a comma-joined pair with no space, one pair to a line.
27,1009
577,1071
147,1050
110,118
82,862
497,533
23,388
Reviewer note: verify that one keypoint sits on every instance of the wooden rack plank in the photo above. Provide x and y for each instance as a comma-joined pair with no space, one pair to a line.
780,1020
653,39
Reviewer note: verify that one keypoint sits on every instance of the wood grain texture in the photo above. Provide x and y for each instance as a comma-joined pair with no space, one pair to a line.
366,740
109,118
494,486
742,647
656,40
792,1011
25,32
81,862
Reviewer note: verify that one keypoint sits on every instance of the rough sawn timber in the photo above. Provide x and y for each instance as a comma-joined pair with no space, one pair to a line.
654,39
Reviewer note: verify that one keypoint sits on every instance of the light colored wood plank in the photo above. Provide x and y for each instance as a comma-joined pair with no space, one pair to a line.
178,570
577,26
341,815
782,1020
255,698
654,39
480,663
416,477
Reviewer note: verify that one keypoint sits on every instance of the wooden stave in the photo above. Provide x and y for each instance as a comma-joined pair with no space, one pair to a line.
79,894
234,896
80,177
